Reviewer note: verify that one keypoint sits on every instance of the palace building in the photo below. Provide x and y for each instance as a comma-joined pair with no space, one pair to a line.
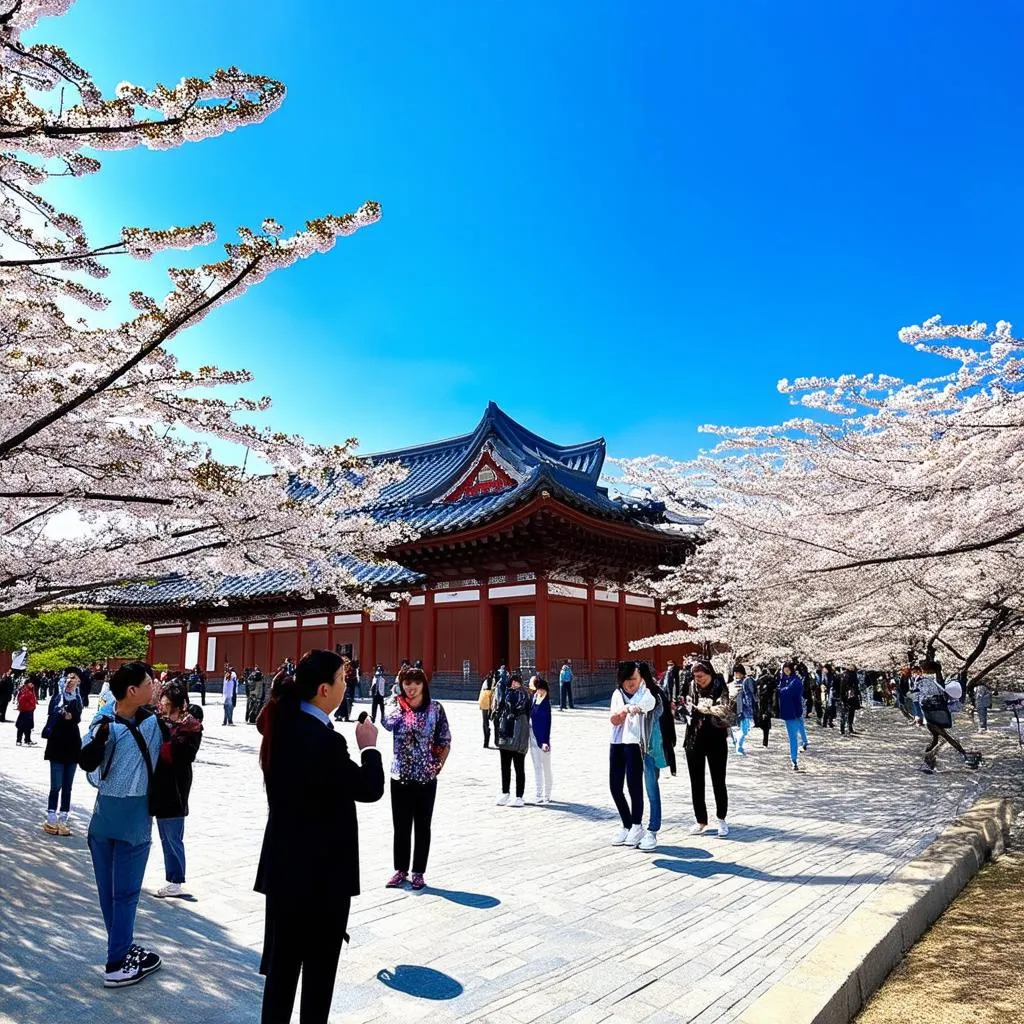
521,558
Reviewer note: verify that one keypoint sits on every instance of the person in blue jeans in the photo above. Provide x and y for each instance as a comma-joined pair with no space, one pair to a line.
186,733
122,745
791,709
654,758
745,700
63,745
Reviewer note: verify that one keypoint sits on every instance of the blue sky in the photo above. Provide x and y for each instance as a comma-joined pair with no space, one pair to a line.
613,219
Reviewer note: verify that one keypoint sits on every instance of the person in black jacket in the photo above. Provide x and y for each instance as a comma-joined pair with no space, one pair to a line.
63,744
765,706
849,700
511,714
178,753
6,693
309,864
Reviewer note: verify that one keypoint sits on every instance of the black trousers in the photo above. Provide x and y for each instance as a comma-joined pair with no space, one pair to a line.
509,758
846,716
24,724
938,734
378,702
298,939
626,765
766,727
715,753
486,715
412,809
4,701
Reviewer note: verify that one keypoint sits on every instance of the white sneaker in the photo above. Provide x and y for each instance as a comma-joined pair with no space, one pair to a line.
696,829
518,802
649,843
502,800
169,891
636,833
723,828
620,837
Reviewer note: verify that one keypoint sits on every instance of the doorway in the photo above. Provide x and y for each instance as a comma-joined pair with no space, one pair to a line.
499,637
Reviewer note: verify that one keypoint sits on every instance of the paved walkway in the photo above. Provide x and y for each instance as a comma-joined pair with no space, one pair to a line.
531,916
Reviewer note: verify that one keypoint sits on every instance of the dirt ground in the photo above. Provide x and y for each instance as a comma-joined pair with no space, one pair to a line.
969,967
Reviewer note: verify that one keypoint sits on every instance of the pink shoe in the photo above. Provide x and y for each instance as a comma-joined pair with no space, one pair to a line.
418,881
397,880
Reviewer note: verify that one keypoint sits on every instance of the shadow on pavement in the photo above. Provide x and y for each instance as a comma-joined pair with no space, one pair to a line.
708,868
686,852
421,982
54,943
477,900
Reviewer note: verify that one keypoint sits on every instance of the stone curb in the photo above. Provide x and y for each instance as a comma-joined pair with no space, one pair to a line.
836,979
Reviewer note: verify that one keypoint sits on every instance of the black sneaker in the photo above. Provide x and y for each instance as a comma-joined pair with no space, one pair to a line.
128,972
148,960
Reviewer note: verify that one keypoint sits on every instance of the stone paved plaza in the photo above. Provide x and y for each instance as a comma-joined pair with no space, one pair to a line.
530,916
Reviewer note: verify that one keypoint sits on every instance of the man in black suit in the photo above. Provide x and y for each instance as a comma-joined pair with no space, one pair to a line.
309,865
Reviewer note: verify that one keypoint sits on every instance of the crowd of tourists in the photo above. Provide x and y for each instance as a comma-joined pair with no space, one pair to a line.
141,744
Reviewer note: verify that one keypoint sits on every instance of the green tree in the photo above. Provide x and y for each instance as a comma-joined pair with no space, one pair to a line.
72,637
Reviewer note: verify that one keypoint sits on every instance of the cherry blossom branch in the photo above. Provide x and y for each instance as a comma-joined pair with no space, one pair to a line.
113,249
172,328
917,556
142,499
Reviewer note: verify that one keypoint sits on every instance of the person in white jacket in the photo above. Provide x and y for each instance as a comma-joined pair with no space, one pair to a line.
631,703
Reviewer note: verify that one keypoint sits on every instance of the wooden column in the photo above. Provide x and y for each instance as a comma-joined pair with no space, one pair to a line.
621,647
181,646
402,640
429,633
330,632
298,639
541,634
151,646
659,628
486,653
245,648
588,628
368,658
364,624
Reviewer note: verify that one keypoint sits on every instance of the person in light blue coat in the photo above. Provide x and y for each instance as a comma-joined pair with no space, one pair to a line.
745,700
791,709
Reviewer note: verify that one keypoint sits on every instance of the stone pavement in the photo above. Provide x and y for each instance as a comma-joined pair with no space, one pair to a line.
530,915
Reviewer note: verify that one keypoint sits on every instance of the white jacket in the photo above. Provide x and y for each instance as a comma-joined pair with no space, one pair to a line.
632,730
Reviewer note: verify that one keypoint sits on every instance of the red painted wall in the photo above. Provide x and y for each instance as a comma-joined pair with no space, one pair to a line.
282,646
348,635
458,638
386,646
566,632
167,650
257,647
417,622
604,633
314,639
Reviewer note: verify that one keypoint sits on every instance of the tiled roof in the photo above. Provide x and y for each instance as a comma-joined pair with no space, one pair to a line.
568,472
433,467
181,590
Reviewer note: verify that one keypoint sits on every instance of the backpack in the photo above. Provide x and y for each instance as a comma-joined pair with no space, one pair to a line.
935,709
506,721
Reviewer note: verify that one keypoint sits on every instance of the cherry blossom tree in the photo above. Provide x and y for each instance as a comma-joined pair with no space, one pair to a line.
106,466
886,520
